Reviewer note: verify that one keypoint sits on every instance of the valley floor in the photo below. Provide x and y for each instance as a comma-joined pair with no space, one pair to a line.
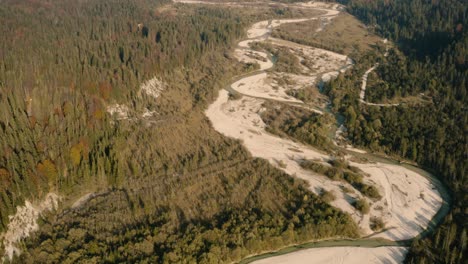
409,200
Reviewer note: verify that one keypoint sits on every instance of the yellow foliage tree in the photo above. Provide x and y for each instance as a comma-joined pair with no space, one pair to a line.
75,154
98,114
47,168
67,108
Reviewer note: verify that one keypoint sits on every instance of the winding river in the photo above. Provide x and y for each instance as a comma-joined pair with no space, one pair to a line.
414,202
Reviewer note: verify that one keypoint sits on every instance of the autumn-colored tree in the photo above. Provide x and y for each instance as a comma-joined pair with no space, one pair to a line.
47,168
5,178
75,154
105,90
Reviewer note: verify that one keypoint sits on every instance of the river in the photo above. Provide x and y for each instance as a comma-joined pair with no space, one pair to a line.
414,201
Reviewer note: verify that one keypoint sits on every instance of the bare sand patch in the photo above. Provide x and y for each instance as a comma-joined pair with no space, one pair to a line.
263,86
318,60
252,56
24,222
153,87
409,200
349,147
298,81
339,255
120,111
259,29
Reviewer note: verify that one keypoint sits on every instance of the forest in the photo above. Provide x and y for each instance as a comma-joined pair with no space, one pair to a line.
159,194
433,64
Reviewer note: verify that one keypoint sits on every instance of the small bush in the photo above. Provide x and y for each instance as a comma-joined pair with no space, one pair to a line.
346,189
328,196
334,174
353,178
282,164
370,191
362,205
376,223
337,163
314,166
